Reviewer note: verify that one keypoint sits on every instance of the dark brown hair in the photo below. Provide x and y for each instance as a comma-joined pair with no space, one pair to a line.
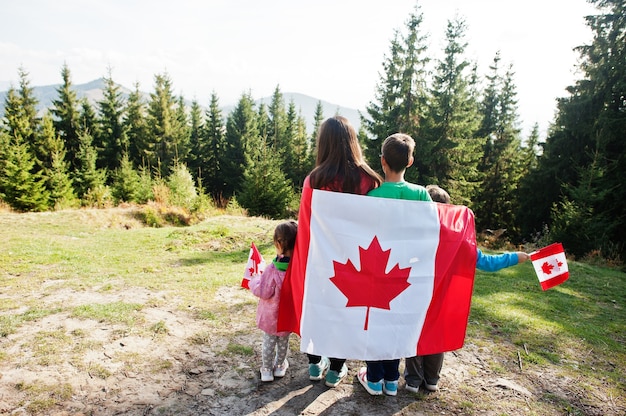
339,158
397,150
285,235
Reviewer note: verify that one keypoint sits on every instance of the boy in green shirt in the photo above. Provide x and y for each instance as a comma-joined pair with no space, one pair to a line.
397,155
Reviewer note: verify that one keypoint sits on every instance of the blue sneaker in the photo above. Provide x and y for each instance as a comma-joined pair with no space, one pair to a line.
390,388
333,378
316,371
373,388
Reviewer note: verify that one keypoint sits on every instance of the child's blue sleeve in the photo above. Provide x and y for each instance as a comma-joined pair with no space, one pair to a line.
495,262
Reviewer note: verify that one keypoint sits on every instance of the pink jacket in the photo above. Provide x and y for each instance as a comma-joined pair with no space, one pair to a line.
267,288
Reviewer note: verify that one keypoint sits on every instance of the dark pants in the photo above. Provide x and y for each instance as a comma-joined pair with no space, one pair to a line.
425,368
335,363
385,369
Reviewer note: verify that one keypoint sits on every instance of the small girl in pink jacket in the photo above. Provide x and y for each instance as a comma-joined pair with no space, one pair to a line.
267,288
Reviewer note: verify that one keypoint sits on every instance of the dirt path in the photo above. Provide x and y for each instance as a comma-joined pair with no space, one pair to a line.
101,369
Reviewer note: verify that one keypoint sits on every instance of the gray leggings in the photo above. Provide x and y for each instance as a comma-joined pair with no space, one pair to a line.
274,350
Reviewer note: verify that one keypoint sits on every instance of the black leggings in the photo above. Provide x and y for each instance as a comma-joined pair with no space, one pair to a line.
335,363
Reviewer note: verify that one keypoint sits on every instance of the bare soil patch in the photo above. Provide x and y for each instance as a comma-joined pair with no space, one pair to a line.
192,369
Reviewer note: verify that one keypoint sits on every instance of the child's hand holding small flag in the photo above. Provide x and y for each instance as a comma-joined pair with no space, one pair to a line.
254,267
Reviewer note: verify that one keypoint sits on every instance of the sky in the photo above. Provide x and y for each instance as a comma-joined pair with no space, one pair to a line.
332,50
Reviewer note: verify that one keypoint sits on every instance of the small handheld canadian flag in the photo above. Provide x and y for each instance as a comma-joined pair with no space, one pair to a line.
255,266
550,265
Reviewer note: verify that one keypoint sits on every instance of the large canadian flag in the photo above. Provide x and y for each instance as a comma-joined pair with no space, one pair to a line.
376,278
550,265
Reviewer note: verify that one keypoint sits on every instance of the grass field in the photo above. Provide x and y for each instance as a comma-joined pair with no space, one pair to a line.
77,266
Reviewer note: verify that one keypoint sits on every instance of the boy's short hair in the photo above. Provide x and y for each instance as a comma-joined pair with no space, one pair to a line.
397,150
438,194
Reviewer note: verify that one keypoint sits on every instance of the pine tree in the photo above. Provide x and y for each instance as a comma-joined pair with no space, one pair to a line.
135,125
401,93
495,205
145,190
297,150
183,130
453,148
301,151
112,137
242,137
196,141
277,127
163,125
20,110
265,190
126,182
318,118
20,115
530,151
89,180
88,120
584,155
66,117
182,187
22,189
55,167
213,152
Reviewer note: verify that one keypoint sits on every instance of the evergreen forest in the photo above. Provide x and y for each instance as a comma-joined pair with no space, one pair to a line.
137,149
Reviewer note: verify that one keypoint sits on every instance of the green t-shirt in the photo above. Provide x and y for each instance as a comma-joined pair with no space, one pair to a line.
401,190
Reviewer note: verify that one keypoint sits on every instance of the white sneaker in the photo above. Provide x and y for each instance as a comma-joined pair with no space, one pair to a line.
266,374
431,387
412,389
280,370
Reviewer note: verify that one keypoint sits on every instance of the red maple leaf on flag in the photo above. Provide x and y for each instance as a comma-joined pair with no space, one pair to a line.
546,268
371,286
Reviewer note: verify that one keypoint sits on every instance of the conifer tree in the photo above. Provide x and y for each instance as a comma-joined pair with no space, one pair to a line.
182,187
22,189
183,130
212,153
263,122
90,181
301,154
401,93
265,190
196,140
163,131
88,120
145,190
453,148
112,137
66,117
135,125
20,115
496,202
584,155
242,136
295,149
126,181
318,118
277,127
55,167
20,110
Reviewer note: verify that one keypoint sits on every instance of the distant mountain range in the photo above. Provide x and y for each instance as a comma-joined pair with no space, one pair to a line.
93,91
